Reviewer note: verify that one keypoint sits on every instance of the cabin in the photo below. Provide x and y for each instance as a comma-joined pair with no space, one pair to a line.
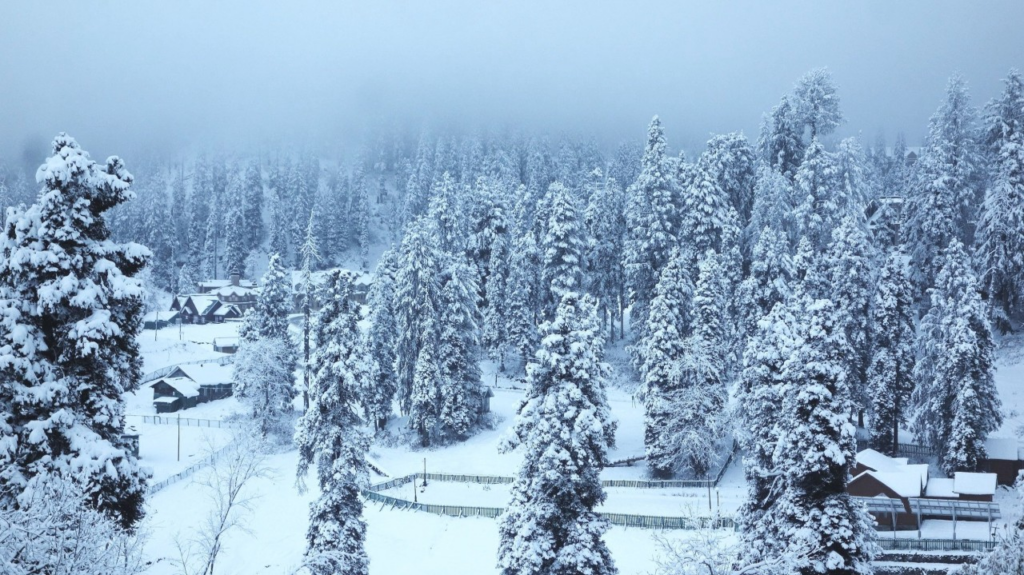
1005,458
871,460
203,309
189,385
898,485
974,486
225,344
483,399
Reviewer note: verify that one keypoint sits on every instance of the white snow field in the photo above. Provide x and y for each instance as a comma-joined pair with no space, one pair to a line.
399,542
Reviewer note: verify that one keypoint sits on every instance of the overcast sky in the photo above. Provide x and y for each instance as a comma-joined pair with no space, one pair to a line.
125,75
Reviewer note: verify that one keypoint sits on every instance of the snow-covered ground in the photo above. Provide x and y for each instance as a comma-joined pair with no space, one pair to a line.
275,536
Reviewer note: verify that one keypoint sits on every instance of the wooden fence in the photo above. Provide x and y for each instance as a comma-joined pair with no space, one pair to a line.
935,545
187,421
187,472
373,493
903,449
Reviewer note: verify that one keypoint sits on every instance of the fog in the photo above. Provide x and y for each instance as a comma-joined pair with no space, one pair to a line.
127,76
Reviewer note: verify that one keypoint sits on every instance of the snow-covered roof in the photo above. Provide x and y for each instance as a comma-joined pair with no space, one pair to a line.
225,341
165,399
904,483
879,461
207,373
213,284
1005,448
940,487
226,309
232,290
161,316
183,385
966,483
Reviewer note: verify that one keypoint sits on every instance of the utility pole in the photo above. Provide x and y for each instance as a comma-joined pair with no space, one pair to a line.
179,436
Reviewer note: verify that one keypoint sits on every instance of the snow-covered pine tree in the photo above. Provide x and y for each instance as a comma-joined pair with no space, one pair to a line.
186,283
563,246
416,301
524,296
329,436
662,352
606,225
310,254
771,271
1000,252
70,311
446,210
264,379
732,160
705,209
765,359
380,343
815,451
495,332
943,191
360,214
236,241
651,216
425,390
781,144
458,352
849,266
890,373
697,407
816,103
955,402
252,205
565,428
269,316
773,207
817,209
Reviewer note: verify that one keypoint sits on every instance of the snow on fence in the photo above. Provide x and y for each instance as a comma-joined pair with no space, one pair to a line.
187,472
187,421
935,545
372,493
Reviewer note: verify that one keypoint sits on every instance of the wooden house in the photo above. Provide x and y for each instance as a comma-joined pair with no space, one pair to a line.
1004,458
189,385
203,309
225,344
974,486
901,485
159,320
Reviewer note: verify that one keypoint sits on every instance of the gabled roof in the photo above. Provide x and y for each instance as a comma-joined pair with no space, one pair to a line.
879,461
160,316
206,373
227,309
213,284
231,290
974,483
903,483
183,385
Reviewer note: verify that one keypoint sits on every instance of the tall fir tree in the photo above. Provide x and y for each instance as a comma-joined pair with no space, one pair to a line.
380,343
781,145
955,402
563,246
458,351
890,373
329,436
1000,253
565,429
70,310
817,519
944,189
651,217
417,293
269,315
817,209
669,325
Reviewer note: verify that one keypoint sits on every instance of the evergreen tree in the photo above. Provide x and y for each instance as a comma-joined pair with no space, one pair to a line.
697,407
663,350
565,428
563,246
705,207
186,278
495,333
310,253
236,241
771,272
766,357
732,161
263,378
381,342
457,353
773,207
361,219
70,311
252,206
780,145
1000,252
417,292
817,210
328,435
606,224
850,270
944,189
651,220
890,373
816,103
816,517
955,401
269,316
524,296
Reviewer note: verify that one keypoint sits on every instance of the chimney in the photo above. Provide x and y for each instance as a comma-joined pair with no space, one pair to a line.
234,278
